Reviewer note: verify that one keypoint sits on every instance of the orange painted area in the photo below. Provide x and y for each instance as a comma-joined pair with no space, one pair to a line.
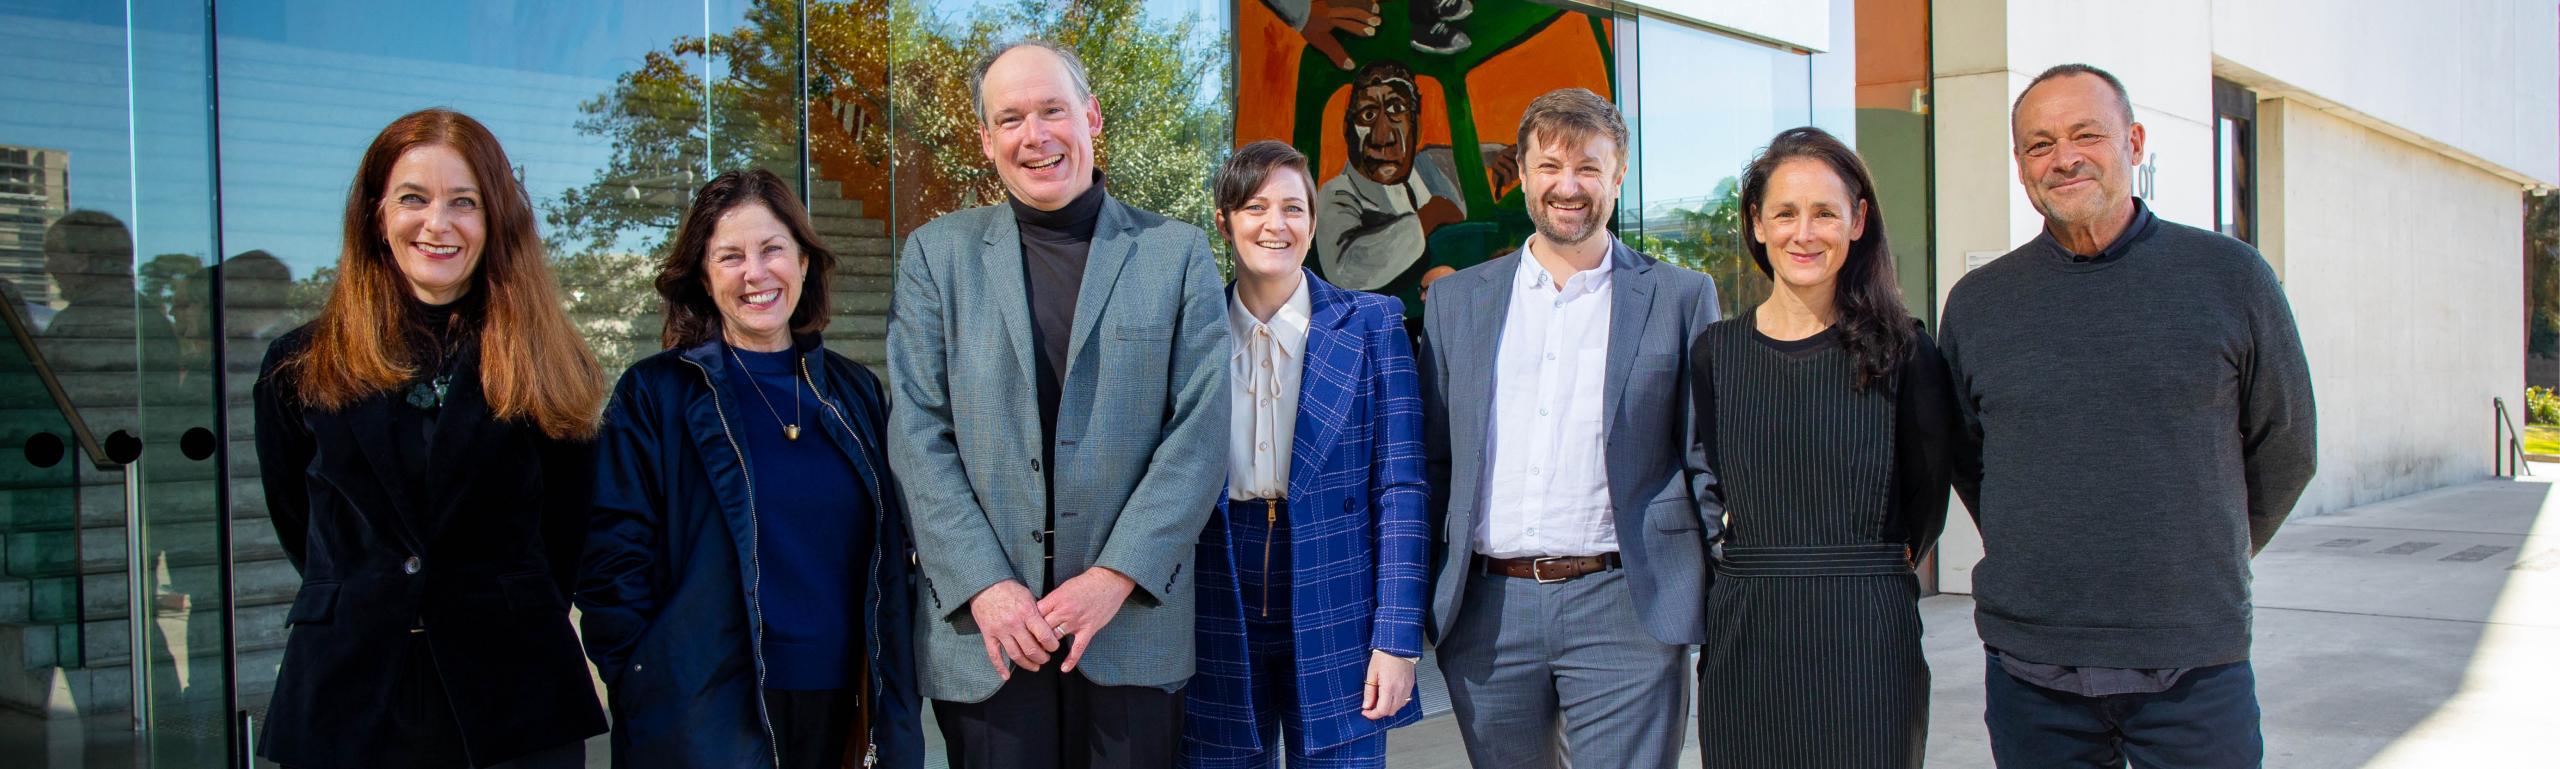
1560,56
1267,73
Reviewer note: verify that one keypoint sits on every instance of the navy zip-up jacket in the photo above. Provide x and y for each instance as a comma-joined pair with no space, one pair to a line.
670,615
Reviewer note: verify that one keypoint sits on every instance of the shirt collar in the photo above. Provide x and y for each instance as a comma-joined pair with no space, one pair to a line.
1288,326
1589,281
2124,241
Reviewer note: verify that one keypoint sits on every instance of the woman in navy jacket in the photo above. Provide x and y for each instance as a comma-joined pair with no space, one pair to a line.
1311,575
746,589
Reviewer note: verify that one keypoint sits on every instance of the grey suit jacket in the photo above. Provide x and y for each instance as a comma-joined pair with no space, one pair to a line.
1141,436
1654,480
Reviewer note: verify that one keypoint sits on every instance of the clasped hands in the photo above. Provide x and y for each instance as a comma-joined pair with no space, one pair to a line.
1027,631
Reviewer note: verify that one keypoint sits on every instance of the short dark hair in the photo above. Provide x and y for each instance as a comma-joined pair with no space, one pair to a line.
2124,103
1249,168
978,71
1572,114
692,317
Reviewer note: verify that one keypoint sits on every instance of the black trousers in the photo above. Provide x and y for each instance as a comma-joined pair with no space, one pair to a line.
812,729
1053,720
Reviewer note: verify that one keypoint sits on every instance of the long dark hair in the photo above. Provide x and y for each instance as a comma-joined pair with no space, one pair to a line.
692,318
1874,327
533,364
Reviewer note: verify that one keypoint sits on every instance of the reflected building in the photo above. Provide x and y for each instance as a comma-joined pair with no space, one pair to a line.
34,188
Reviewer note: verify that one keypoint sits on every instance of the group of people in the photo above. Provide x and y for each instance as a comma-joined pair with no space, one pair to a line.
1106,512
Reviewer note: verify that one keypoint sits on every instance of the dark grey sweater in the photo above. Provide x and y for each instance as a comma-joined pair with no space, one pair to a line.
2145,423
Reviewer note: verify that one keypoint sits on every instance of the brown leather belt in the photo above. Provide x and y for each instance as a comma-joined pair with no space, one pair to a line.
1548,569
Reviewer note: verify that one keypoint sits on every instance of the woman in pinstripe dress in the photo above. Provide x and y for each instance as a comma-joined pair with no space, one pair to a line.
1825,414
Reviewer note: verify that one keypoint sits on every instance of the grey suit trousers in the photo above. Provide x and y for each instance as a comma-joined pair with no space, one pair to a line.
1563,674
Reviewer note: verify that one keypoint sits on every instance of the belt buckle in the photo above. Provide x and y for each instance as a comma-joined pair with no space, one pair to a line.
1538,571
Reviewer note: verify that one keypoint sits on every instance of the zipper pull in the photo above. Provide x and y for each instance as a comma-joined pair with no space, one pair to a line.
870,755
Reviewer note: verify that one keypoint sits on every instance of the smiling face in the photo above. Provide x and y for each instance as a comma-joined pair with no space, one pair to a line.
2076,150
1570,186
1807,217
1270,231
1381,125
1038,131
754,267
433,222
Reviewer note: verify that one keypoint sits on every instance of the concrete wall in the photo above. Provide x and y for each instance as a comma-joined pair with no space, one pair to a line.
2470,77
2404,271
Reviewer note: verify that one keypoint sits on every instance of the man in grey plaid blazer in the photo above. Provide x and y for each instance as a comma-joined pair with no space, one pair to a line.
1057,370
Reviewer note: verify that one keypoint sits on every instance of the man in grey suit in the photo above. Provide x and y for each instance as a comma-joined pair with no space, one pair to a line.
1571,558
1057,369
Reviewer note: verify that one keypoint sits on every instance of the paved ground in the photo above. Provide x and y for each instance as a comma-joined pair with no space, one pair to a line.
2419,632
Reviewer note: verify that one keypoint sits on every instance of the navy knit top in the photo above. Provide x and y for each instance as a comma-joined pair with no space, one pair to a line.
814,520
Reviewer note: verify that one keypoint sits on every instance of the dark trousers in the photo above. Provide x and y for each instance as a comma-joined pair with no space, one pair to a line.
813,729
2209,720
1052,720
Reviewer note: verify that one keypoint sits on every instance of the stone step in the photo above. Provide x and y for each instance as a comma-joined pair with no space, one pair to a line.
59,692
102,549
835,229
826,201
255,583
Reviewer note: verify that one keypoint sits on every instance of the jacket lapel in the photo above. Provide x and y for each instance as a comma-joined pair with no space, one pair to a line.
1475,361
724,460
1001,264
1114,237
368,426
1630,304
1324,400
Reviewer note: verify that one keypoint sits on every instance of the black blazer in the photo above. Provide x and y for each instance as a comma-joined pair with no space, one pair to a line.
477,565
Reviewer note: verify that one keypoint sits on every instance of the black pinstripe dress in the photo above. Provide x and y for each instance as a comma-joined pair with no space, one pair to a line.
1813,658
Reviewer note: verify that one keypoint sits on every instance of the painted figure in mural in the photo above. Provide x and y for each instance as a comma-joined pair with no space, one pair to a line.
1560,470
1375,218
747,594
1058,364
2178,346
425,449
1311,570
1826,420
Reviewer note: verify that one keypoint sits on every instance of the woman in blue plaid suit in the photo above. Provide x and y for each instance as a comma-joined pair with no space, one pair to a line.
1311,572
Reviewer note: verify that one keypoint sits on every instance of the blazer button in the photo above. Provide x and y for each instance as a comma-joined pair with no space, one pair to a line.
412,565
1035,465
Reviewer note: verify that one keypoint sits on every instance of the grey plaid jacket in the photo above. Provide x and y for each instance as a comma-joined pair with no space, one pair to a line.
1141,436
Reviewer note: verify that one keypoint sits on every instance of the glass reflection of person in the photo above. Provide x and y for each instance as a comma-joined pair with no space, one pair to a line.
747,593
424,444
1374,218
1322,526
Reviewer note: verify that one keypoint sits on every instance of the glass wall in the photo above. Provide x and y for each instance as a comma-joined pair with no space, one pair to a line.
172,176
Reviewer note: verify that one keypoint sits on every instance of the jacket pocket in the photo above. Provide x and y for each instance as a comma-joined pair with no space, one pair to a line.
314,604
1673,515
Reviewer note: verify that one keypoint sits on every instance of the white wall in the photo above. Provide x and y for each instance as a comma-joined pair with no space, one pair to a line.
2405,271
2473,75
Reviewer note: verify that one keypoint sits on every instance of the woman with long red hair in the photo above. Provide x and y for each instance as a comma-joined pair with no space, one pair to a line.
426,446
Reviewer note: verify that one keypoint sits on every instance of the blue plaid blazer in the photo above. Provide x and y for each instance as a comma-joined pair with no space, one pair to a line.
1358,537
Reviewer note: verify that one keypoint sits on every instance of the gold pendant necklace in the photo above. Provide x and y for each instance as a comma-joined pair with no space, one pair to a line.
791,429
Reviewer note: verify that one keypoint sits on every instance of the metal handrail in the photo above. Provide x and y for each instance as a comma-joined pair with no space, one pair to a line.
79,427
2506,443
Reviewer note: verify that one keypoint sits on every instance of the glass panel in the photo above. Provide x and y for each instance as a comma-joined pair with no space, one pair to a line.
106,199
1698,134
1892,134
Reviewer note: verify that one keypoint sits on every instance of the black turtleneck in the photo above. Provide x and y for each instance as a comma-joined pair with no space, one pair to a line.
437,336
1054,244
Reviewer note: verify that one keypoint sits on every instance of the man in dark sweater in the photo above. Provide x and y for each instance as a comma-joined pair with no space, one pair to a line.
1057,369
2144,422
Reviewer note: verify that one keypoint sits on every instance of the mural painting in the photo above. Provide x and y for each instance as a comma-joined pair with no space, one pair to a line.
1408,110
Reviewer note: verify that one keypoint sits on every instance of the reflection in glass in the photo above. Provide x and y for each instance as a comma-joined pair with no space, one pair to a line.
1697,134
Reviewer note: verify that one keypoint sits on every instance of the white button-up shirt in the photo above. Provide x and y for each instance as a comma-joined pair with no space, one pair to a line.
1262,382
1546,488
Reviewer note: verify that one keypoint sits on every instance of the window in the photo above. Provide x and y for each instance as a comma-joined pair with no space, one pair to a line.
2235,161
